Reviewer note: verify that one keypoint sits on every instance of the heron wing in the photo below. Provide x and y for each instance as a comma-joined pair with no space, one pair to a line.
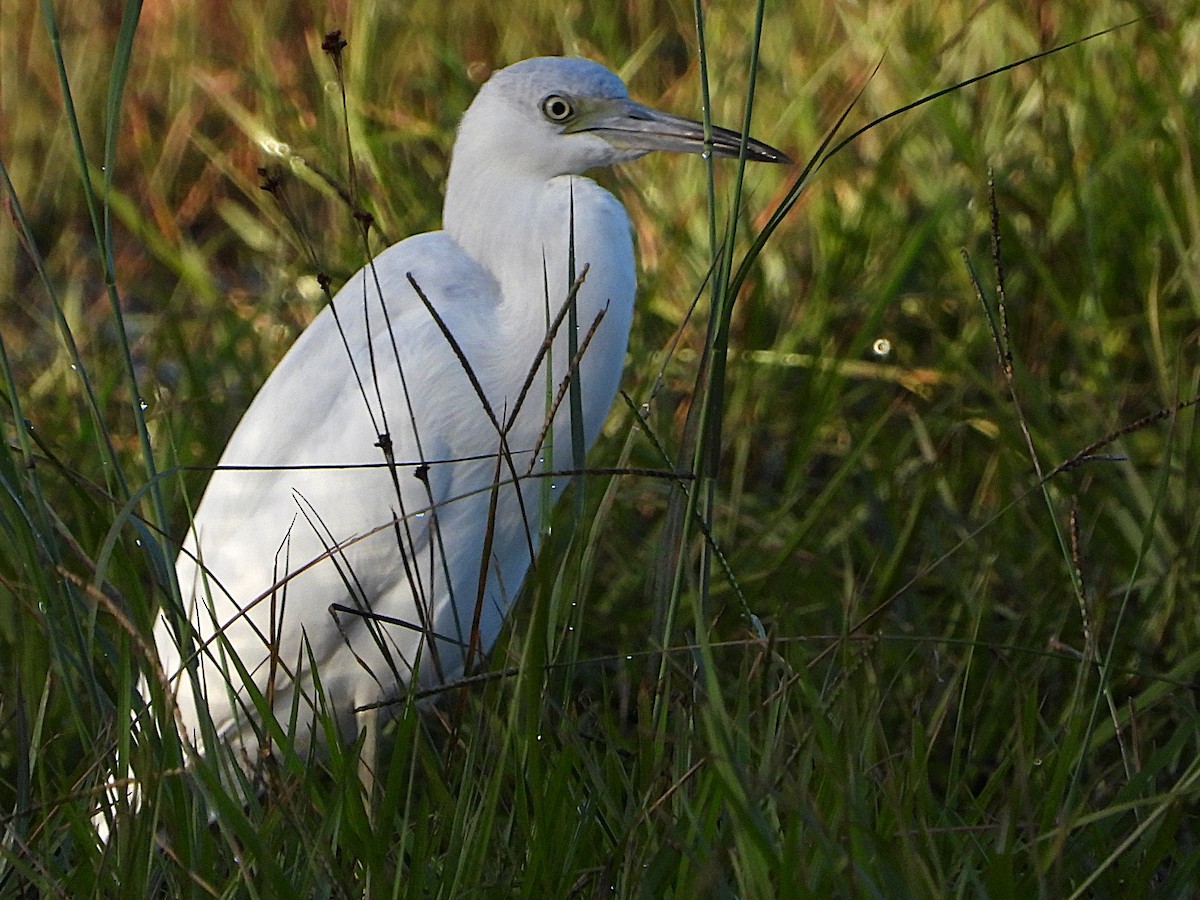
306,524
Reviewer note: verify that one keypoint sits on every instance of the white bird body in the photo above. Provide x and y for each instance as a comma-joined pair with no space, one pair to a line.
254,527
301,519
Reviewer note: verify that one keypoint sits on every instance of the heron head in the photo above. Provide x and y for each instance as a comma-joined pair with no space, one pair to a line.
551,116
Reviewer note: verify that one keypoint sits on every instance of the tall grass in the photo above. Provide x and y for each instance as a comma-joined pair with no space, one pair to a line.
885,645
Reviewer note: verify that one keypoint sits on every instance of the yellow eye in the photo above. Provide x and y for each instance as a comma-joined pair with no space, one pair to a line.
557,108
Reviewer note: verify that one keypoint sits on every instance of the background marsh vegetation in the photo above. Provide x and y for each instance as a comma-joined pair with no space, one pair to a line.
967,682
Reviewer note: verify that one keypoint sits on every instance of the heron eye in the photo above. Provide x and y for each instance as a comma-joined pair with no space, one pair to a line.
557,108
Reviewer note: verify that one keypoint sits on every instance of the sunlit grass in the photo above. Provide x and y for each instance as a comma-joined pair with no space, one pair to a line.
972,684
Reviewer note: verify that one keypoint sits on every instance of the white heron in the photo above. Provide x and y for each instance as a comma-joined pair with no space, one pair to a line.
313,559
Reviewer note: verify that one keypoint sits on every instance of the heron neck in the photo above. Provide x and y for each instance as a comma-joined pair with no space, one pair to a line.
491,215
